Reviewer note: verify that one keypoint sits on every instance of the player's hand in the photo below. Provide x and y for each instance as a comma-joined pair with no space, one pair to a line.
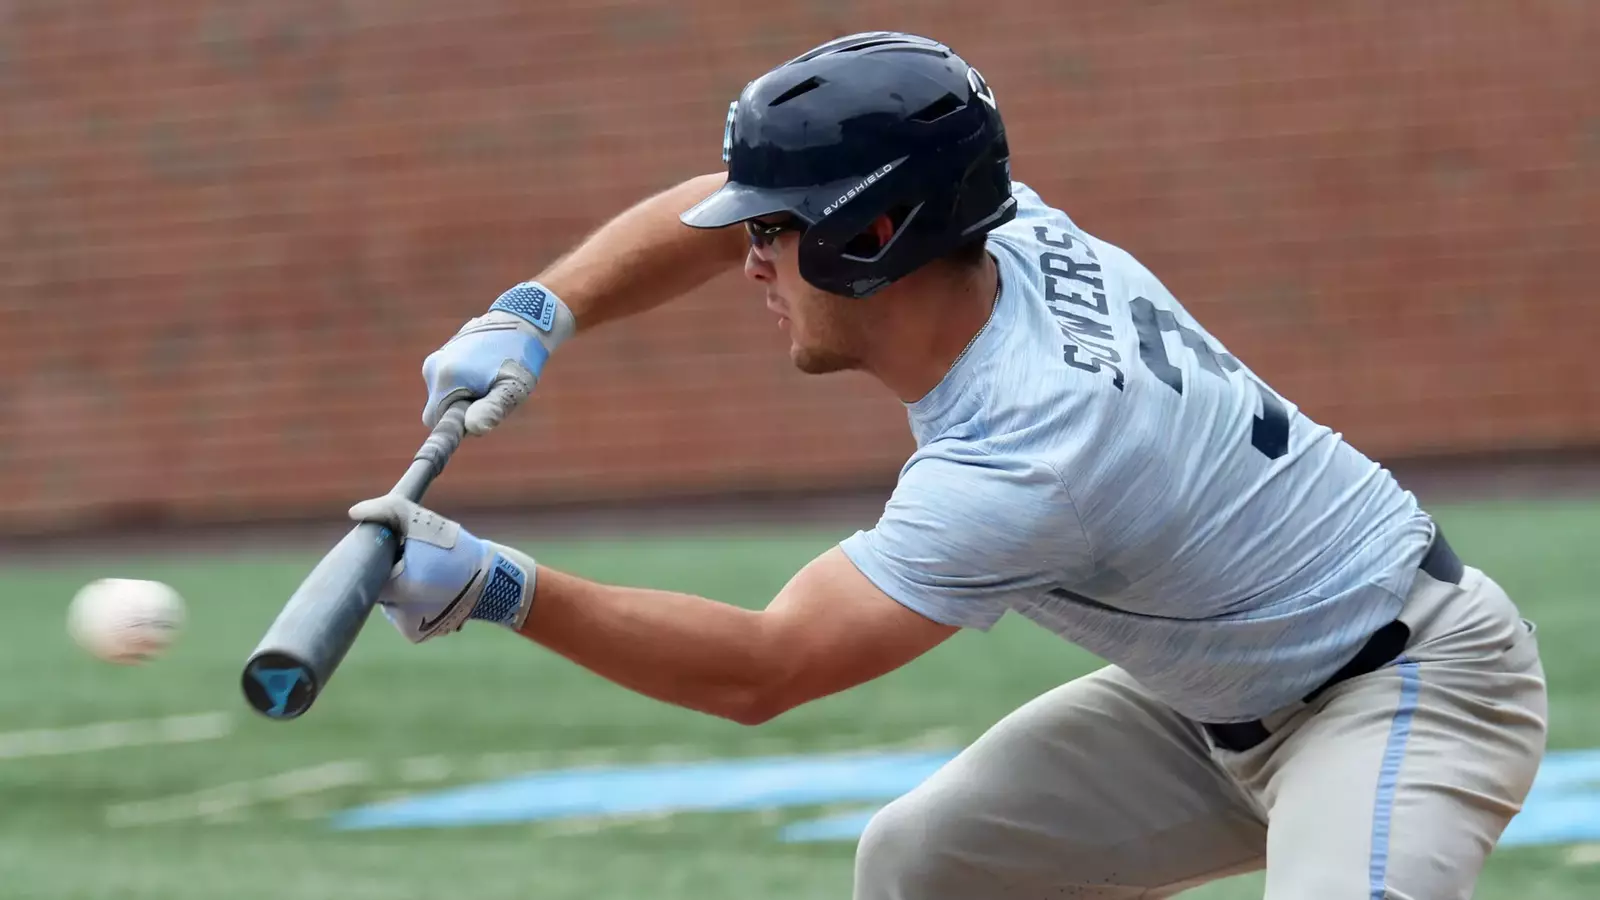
445,575
495,359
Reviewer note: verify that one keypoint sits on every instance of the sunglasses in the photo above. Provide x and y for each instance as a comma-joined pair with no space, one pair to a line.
762,234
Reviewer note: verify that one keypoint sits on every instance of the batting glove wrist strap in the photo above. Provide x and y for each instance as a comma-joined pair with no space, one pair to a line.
540,307
508,590
446,575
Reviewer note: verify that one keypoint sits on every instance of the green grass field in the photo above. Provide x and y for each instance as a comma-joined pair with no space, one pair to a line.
206,819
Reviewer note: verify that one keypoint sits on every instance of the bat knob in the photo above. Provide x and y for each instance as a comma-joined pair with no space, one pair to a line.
278,686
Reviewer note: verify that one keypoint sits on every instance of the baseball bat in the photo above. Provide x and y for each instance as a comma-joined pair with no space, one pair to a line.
316,627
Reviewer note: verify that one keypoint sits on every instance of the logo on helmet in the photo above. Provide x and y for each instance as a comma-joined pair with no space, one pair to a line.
981,87
727,132
849,195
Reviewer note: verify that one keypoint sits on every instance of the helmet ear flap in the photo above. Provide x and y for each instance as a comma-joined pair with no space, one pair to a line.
984,197
880,234
864,247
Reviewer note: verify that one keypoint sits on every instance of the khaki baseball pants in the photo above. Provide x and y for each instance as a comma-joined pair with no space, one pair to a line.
1394,785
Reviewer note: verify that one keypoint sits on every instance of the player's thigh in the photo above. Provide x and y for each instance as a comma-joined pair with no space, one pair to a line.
1091,790
1401,785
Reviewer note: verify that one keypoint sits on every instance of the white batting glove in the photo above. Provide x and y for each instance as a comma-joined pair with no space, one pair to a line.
496,358
445,575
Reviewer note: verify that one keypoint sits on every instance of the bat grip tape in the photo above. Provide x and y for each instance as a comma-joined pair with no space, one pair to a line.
434,452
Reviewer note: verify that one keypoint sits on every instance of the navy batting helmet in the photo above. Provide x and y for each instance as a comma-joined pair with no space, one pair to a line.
863,126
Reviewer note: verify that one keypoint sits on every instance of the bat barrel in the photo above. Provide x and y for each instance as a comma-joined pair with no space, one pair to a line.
320,622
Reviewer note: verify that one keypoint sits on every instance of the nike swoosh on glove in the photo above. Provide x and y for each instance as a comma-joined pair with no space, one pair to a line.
445,574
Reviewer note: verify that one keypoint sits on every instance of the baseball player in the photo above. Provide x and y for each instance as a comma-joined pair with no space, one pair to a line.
1301,674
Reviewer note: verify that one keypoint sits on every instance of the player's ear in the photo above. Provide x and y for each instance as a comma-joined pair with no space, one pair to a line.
872,238
881,229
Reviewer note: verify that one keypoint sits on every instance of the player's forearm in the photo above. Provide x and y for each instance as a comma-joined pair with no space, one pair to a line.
677,648
644,257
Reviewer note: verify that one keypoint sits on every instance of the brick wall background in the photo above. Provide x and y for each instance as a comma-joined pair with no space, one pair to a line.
230,230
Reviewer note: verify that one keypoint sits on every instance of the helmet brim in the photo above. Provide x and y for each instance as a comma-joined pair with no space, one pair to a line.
734,202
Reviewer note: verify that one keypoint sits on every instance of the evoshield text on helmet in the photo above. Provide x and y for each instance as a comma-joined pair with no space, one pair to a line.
881,123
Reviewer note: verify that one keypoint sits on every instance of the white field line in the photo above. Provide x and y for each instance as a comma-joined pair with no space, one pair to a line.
222,801
114,735
1584,855
311,806
423,769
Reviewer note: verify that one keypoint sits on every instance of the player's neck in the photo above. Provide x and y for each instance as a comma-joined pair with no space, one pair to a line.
931,321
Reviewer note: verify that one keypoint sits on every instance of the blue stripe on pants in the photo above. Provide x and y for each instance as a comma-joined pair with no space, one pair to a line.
1389,775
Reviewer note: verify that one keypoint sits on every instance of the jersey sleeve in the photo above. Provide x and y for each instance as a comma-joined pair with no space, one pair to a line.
960,542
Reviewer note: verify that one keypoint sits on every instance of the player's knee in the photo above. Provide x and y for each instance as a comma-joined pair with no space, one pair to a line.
902,853
889,853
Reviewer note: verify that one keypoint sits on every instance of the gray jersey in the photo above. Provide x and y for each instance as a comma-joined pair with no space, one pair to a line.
1099,463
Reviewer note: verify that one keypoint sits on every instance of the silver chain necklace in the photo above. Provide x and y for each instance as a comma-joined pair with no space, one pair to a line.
979,333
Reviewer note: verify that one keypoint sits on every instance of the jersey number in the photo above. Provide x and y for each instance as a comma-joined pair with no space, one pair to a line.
1270,433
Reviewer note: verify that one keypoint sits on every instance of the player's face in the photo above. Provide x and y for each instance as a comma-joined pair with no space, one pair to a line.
827,332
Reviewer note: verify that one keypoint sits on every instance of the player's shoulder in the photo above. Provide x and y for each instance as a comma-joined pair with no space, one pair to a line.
959,474
962,500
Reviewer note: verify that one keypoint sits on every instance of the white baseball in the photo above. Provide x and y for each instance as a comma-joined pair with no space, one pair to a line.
125,620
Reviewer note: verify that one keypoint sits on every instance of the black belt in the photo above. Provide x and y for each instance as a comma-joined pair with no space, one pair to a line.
1385,644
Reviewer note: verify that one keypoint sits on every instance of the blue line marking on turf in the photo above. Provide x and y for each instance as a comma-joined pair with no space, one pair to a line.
725,785
1563,807
842,827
